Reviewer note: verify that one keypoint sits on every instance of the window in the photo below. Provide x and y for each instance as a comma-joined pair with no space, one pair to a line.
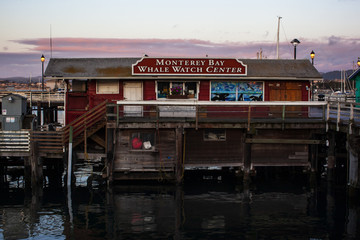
214,135
143,141
163,89
78,86
10,119
189,89
107,86
236,91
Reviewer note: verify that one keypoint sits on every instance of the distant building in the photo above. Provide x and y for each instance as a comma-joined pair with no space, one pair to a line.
356,77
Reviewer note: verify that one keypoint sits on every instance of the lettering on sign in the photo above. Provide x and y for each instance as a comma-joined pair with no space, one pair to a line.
189,66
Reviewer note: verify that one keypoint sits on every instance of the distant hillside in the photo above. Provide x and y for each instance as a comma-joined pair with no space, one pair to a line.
20,79
329,76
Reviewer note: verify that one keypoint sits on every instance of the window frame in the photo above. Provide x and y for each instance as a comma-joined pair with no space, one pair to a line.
236,92
173,82
217,132
115,86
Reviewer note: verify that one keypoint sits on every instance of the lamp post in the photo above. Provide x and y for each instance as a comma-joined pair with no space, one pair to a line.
42,72
312,55
295,42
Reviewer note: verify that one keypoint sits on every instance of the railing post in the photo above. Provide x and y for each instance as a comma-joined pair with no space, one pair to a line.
85,141
283,117
351,119
157,116
69,168
49,99
197,117
117,114
249,118
338,117
283,112
327,116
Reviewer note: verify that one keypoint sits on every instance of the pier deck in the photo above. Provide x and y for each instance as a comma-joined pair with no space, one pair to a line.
190,134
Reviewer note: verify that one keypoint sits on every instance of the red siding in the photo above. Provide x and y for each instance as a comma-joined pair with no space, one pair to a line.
305,94
79,103
204,92
149,90
96,99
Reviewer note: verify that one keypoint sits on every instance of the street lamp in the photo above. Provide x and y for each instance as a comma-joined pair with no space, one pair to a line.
312,55
42,72
295,42
358,62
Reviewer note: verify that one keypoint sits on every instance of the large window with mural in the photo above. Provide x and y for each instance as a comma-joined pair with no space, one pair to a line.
177,88
236,91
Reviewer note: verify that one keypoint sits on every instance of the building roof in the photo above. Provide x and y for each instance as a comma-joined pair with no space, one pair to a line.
13,94
97,68
354,74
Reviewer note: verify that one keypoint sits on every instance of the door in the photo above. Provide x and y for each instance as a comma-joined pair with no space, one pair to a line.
286,91
133,92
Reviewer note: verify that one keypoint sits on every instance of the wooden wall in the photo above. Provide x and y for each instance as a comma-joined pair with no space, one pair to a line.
199,152
275,154
162,158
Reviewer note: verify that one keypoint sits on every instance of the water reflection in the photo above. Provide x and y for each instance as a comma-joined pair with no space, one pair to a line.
207,210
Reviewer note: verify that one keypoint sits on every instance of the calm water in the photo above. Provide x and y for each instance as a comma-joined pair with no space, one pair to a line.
207,209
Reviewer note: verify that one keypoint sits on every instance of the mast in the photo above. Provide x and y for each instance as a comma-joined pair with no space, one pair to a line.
50,42
277,39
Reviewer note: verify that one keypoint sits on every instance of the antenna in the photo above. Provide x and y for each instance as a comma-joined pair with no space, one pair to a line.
277,39
50,42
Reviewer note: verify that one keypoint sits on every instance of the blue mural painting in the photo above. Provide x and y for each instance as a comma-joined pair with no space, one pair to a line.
236,91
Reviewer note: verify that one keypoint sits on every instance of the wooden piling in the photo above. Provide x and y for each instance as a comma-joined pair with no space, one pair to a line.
110,153
331,156
353,166
179,155
36,167
27,173
247,159
38,113
2,174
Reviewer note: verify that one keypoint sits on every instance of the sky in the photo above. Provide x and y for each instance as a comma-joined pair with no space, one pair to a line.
186,28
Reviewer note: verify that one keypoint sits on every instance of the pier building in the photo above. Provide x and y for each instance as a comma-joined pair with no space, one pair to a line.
155,118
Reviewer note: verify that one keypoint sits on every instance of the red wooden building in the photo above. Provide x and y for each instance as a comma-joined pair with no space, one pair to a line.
91,81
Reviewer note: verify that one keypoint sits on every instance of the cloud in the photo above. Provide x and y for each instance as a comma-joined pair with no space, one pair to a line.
332,53
333,40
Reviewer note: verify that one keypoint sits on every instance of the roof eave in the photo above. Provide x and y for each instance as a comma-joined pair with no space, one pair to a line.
192,77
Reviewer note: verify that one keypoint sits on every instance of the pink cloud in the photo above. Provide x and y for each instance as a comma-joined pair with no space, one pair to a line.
332,53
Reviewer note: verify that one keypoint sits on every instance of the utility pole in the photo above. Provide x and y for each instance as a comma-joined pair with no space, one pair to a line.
277,39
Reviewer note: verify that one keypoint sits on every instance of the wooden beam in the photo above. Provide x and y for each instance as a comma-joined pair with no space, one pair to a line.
98,140
284,141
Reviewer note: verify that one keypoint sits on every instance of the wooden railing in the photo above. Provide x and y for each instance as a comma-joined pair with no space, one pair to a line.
336,113
203,111
37,96
48,141
85,122
343,113
14,141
